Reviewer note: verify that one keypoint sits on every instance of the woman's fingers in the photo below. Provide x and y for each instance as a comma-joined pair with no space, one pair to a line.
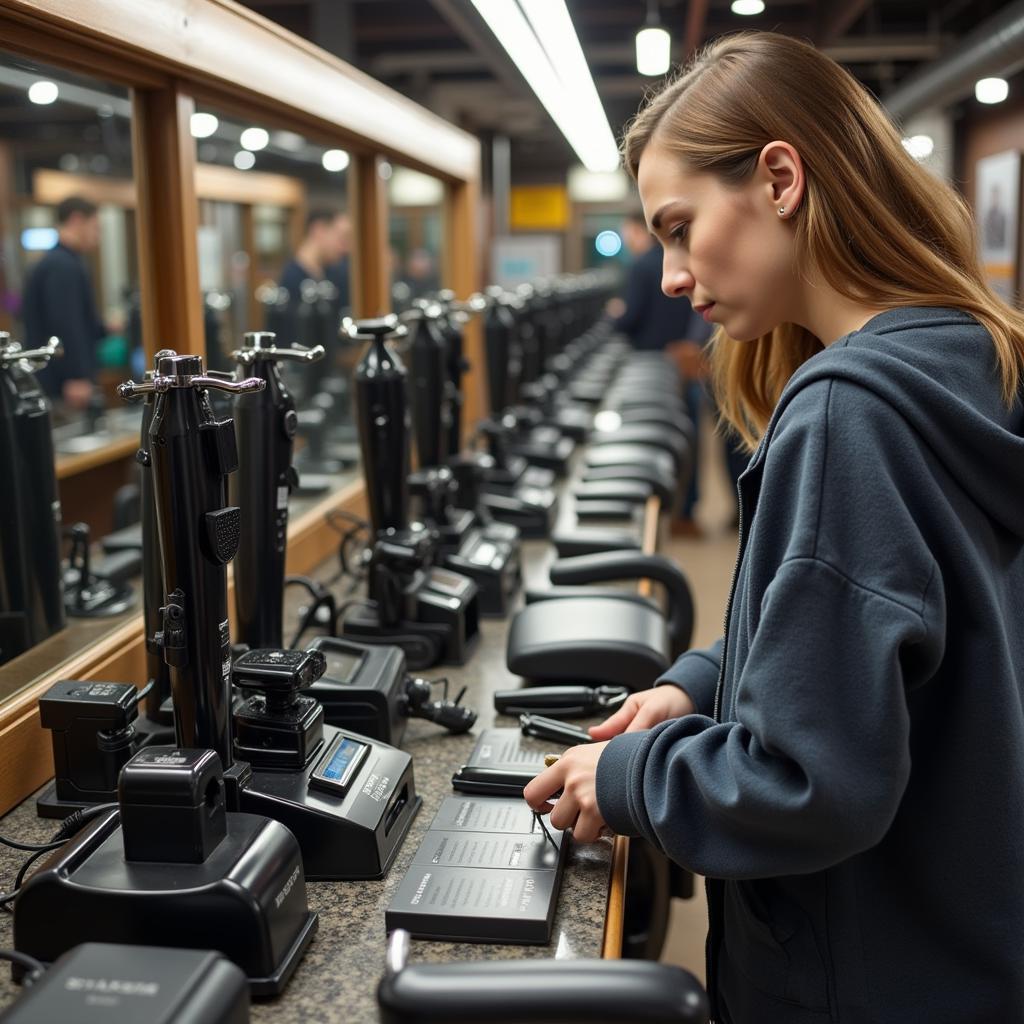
538,791
618,722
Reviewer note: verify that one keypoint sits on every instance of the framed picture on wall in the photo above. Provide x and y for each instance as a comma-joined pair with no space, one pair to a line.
997,212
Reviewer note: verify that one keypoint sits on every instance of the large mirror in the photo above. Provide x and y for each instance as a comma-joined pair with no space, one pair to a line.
415,235
274,251
68,270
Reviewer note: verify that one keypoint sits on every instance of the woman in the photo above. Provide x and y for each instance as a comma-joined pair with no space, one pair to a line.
847,766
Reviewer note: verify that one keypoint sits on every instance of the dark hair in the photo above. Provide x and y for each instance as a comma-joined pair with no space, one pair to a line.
67,208
322,215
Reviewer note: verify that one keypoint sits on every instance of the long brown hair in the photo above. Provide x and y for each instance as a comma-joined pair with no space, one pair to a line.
875,224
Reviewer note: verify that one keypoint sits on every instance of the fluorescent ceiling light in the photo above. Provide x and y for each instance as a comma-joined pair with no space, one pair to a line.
202,125
568,94
747,6
991,90
335,160
244,160
597,186
920,147
254,139
43,93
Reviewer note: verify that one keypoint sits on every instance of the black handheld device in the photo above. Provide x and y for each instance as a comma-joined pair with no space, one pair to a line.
542,728
560,701
493,781
265,425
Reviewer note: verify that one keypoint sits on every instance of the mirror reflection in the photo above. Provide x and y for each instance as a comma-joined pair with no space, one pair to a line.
69,334
274,244
415,235
69,264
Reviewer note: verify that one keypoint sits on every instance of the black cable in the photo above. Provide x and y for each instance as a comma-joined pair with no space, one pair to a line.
68,828
34,968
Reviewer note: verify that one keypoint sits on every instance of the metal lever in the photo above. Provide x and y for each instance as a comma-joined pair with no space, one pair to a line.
130,390
260,345
12,352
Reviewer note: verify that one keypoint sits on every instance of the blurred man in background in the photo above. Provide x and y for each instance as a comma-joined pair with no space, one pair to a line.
59,300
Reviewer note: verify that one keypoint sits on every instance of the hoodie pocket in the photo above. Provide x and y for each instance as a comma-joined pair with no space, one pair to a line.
771,940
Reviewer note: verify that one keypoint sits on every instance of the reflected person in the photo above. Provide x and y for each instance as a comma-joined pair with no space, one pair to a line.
59,300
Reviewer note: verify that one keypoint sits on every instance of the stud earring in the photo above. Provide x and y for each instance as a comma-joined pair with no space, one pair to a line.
782,210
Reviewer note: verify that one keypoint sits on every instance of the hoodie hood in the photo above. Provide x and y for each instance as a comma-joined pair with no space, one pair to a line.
938,369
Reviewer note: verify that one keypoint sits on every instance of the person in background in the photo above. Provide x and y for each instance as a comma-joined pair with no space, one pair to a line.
59,301
655,322
322,256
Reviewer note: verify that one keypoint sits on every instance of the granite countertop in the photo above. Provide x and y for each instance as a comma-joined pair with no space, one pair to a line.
337,979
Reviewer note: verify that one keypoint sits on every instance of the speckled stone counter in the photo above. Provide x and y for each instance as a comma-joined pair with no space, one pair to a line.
337,979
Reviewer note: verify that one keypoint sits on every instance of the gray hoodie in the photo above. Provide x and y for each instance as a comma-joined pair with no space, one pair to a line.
852,783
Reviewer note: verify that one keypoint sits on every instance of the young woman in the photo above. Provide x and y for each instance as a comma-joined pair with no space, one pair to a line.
847,765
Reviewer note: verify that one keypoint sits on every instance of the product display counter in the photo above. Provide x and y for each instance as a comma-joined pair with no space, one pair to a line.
338,976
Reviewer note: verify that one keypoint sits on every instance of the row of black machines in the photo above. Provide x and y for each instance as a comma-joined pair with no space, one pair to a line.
202,817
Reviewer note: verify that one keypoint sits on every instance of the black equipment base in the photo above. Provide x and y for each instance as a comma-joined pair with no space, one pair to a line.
351,834
247,900
492,562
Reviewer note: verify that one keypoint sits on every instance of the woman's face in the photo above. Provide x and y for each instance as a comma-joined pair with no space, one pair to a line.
726,248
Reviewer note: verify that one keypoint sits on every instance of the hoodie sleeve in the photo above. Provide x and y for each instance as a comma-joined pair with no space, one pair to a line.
813,763
696,672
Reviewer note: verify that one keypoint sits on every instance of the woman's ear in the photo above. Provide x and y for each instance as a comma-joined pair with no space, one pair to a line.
782,172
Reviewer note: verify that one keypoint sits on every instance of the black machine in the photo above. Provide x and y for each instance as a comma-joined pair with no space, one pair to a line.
265,424
472,544
169,860
431,613
31,587
91,591
365,688
280,734
106,983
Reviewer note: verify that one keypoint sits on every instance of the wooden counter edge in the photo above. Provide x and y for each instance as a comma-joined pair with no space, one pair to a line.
611,941
25,751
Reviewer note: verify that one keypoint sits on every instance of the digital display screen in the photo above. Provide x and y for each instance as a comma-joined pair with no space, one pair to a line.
341,665
341,760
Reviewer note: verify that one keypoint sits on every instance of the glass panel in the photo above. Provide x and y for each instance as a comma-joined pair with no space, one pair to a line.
416,235
274,244
68,269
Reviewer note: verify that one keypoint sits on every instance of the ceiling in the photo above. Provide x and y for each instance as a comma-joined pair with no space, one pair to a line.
440,53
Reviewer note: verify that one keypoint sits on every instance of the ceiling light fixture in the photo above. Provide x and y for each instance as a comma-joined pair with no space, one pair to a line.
920,147
549,41
254,139
244,160
43,92
202,125
991,90
335,160
653,45
747,6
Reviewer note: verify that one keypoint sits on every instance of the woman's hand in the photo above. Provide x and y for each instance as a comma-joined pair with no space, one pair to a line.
575,774
645,710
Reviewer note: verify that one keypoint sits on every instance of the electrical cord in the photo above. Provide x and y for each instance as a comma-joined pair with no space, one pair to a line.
33,968
68,828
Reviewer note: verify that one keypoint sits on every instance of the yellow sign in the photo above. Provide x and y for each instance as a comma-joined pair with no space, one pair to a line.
538,207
